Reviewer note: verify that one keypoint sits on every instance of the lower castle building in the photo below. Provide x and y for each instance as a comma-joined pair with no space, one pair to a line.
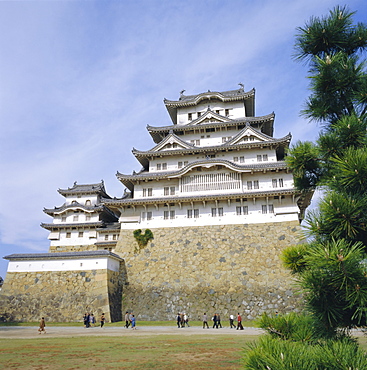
220,204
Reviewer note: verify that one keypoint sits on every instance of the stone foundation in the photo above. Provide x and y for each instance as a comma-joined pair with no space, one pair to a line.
225,269
62,296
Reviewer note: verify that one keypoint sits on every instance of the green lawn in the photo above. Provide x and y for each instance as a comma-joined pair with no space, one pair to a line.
126,352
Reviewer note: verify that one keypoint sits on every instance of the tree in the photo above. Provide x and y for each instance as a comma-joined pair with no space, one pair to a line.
330,269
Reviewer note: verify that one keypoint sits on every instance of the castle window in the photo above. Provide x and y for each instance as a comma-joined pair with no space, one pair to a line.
274,183
259,158
249,185
252,138
150,192
172,190
197,142
87,218
235,159
172,214
159,166
74,202
214,212
220,211
164,166
217,111
106,237
63,219
149,216
242,159
242,210
265,157
271,208
87,202
199,114
144,192
166,190
189,213
264,209
226,112
245,138
281,183
186,163
75,218
189,116
166,215
224,139
256,184
68,234
196,213
174,145
80,234
179,165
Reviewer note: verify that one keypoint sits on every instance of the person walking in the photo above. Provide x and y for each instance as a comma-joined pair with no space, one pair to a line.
178,320
133,323
218,321
205,321
239,322
85,320
103,318
215,322
186,320
231,319
42,326
127,320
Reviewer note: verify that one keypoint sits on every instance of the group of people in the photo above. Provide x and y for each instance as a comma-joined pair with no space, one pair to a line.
90,320
217,322
130,320
182,320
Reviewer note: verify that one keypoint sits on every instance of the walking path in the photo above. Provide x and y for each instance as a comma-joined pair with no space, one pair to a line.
75,331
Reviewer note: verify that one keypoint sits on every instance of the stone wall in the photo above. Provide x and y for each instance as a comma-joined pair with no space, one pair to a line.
225,269
62,296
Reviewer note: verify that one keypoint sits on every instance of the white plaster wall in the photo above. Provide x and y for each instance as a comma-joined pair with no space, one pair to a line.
81,199
236,110
77,264
284,210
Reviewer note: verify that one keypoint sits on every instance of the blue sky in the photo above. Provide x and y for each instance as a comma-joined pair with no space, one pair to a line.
80,80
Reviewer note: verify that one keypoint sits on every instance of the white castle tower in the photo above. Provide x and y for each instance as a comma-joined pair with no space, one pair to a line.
216,164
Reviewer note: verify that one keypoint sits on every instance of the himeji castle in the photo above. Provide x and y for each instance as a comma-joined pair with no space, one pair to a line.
216,194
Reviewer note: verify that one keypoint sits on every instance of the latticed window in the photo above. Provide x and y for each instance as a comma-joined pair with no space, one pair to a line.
212,181
271,208
245,210
281,184
256,184
149,216
274,183
172,214
150,192
166,215
220,211
189,213
214,212
159,166
80,234
179,165
238,211
166,190
259,157
172,190
164,166
242,159
196,213
249,185
264,209
265,157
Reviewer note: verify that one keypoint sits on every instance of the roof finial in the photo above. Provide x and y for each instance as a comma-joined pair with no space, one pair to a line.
242,85
181,92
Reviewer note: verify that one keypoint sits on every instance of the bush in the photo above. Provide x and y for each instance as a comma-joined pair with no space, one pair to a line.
276,354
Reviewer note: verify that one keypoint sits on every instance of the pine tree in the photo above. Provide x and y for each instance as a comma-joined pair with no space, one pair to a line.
330,270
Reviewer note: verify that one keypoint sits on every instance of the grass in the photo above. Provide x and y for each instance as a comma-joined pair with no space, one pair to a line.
127,352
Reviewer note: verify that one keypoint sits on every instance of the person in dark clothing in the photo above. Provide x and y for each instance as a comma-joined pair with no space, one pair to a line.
178,320
102,320
215,321
218,321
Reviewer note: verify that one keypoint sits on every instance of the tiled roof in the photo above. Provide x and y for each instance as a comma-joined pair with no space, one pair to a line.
61,255
95,208
64,225
85,189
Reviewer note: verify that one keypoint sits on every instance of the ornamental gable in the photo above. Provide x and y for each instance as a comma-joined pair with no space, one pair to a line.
171,142
248,134
209,117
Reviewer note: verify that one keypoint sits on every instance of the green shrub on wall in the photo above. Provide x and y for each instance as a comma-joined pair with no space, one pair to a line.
142,239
